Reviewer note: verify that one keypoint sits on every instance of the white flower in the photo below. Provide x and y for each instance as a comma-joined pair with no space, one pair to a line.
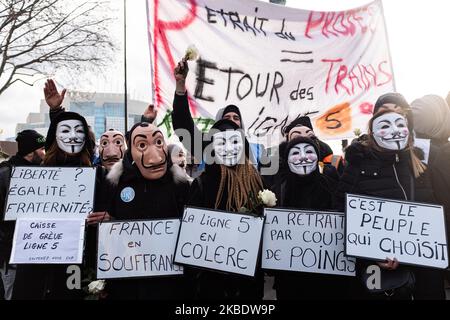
268,198
96,286
191,53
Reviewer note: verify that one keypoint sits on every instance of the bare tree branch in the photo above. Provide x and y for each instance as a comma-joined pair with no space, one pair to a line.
42,36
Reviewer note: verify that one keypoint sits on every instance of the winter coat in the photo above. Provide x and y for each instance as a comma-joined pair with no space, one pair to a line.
49,282
7,227
182,119
211,285
389,175
153,199
313,192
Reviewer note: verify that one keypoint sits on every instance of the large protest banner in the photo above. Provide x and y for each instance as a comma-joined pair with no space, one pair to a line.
275,63
144,248
48,241
414,233
305,241
219,240
50,192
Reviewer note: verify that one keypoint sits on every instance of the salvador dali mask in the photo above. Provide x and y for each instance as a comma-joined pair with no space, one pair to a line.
112,148
149,151
302,159
70,136
390,131
228,147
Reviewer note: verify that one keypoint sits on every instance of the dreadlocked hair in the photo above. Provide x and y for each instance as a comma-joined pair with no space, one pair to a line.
242,183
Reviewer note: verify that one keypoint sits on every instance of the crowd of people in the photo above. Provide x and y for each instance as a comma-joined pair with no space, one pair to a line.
404,156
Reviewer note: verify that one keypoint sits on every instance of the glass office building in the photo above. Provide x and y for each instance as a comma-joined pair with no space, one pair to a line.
102,111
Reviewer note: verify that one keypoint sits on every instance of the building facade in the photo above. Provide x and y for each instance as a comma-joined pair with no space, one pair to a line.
102,111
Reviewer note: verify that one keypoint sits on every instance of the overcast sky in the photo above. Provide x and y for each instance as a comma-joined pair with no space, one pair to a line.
418,36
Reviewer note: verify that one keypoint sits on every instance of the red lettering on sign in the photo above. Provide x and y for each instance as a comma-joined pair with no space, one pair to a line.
160,29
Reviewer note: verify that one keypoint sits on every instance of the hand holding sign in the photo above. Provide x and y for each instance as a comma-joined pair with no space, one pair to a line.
389,264
98,217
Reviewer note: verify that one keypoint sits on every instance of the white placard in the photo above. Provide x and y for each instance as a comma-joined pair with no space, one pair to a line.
144,248
414,233
50,192
219,240
48,241
305,241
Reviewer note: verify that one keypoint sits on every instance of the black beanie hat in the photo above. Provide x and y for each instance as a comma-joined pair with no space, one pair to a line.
225,124
304,121
391,97
231,108
298,140
29,141
89,145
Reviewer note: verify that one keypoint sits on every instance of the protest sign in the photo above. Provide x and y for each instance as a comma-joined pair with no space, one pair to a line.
50,192
48,241
414,233
143,248
305,241
276,63
219,240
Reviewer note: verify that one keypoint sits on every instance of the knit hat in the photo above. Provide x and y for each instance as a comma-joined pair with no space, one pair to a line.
432,117
304,121
231,108
29,141
298,140
51,134
224,124
391,97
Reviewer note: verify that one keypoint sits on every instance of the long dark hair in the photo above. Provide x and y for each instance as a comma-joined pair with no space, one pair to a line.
56,157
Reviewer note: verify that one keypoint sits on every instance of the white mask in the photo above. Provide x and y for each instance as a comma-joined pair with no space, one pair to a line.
228,147
390,131
302,159
70,136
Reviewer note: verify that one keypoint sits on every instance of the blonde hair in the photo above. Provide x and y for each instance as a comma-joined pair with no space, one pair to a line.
242,183
418,166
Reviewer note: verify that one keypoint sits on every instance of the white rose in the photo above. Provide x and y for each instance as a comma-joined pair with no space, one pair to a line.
96,286
268,198
191,53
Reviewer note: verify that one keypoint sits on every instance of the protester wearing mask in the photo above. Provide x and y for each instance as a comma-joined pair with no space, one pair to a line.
182,118
304,187
112,148
147,186
67,145
30,152
387,165
228,183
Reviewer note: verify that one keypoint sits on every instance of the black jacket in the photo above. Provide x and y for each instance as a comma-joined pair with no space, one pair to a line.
7,227
382,174
153,199
211,285
389,175
47,281
313,192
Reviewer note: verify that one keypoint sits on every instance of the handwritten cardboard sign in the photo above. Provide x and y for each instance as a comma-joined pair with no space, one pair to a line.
219,240
48,241
414,233
144,248
305,241
50,192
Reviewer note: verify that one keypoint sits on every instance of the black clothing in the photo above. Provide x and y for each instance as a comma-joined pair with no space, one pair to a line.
153,199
